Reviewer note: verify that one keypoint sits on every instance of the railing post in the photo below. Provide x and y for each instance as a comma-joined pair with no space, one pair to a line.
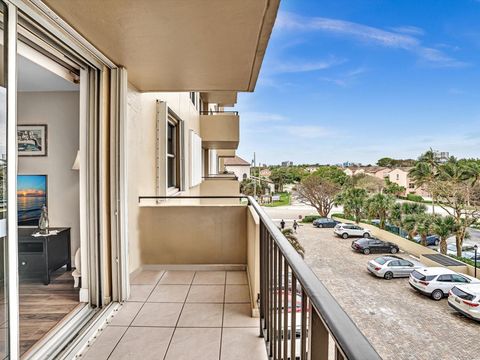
318,337
262,278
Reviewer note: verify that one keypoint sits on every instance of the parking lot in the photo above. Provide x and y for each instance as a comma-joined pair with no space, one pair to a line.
399,322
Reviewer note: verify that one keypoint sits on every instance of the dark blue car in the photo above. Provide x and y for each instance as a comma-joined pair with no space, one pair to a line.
432,240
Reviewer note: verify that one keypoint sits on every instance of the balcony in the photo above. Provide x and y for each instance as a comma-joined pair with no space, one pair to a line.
220,129
203,261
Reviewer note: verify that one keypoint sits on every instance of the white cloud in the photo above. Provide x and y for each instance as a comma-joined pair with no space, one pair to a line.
305,66
408,29
347,78
404,39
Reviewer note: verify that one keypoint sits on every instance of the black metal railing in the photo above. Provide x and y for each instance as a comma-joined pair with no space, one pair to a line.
298,315
218,112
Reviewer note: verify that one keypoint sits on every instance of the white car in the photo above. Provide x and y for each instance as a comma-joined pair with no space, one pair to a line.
347,230
436,282
391,266
466,300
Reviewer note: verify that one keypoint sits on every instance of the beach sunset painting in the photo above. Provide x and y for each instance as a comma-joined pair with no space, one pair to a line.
31,195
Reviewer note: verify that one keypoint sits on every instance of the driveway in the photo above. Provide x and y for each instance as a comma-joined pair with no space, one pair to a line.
399,322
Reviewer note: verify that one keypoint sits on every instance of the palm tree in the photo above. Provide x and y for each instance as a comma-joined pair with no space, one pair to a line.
379,206
424,226
292,239
425,171
409,224
444,227
353,201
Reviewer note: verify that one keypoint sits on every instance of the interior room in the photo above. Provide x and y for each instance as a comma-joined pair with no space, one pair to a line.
48,195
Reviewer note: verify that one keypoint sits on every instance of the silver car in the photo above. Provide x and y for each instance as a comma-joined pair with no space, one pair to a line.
391,266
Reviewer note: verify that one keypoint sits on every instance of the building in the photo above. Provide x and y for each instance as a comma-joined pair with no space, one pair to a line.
137,100
377,171
400,177
265,173
239,167
311,169
287,163
442,156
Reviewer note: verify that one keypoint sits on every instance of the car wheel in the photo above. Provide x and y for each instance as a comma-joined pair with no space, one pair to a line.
345,235
366,251
320,226
436,242
366,235
437,295
393,250
388,275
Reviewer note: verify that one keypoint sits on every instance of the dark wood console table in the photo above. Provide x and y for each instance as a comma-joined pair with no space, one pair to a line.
39,256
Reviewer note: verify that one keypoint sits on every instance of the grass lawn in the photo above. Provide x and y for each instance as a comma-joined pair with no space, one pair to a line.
284,200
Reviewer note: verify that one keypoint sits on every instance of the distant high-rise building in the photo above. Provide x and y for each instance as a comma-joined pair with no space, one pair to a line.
287,163
442,156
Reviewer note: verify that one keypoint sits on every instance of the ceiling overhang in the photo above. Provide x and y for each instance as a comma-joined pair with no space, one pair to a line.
222,98
177,45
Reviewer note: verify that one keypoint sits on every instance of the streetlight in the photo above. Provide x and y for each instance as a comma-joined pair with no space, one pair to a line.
475,247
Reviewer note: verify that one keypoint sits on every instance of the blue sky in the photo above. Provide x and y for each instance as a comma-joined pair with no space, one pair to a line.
359,80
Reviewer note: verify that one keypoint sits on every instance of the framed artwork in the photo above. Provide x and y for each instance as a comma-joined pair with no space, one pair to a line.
31,196
32,140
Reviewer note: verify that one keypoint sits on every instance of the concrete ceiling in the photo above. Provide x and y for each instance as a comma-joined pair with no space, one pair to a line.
178,45
222,98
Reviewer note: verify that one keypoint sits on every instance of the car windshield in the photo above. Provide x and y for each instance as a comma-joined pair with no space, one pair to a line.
380,260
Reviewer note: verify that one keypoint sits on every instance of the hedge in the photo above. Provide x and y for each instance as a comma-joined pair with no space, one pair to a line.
310,218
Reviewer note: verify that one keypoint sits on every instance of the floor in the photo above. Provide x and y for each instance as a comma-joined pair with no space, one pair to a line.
44,306
399,322
180,315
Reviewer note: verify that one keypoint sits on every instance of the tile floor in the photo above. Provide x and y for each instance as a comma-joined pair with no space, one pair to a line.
183,315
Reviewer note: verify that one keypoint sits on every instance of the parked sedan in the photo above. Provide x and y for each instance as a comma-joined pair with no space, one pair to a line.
368,246
391,266
432,240
466,300
324,223
436,282
349,230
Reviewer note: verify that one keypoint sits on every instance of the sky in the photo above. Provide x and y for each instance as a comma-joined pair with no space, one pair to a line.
356,81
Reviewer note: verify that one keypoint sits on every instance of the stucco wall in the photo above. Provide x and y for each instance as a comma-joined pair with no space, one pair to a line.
60,111
193,234
239,171
253,255
141,153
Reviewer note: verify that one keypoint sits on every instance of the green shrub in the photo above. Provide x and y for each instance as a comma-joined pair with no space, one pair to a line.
415,198
310,218
343,216
466,261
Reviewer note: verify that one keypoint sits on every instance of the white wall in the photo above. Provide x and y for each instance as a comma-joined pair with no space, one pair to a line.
239,171
60,111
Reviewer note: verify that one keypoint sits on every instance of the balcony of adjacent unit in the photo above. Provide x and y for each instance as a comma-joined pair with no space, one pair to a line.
218,280
220,129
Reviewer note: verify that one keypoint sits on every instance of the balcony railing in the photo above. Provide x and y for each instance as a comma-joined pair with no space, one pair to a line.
218,112
298,315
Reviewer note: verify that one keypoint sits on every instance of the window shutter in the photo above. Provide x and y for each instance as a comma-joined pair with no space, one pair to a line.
195,159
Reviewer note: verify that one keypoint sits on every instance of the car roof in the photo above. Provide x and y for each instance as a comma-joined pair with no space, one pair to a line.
390,257
436,271
473,289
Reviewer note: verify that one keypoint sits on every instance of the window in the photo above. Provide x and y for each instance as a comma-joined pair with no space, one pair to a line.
445,278
172,154
459,278
244,176
411,186
405,263
394,263
193,98
398,177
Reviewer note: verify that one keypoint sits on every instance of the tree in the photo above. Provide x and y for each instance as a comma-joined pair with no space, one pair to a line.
392,188
332,173
286,175
247,187
409,224
444,226
458,195
370,183
424,228
353,201
425,171
413,208
386,162
319,192
379,206
292,239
